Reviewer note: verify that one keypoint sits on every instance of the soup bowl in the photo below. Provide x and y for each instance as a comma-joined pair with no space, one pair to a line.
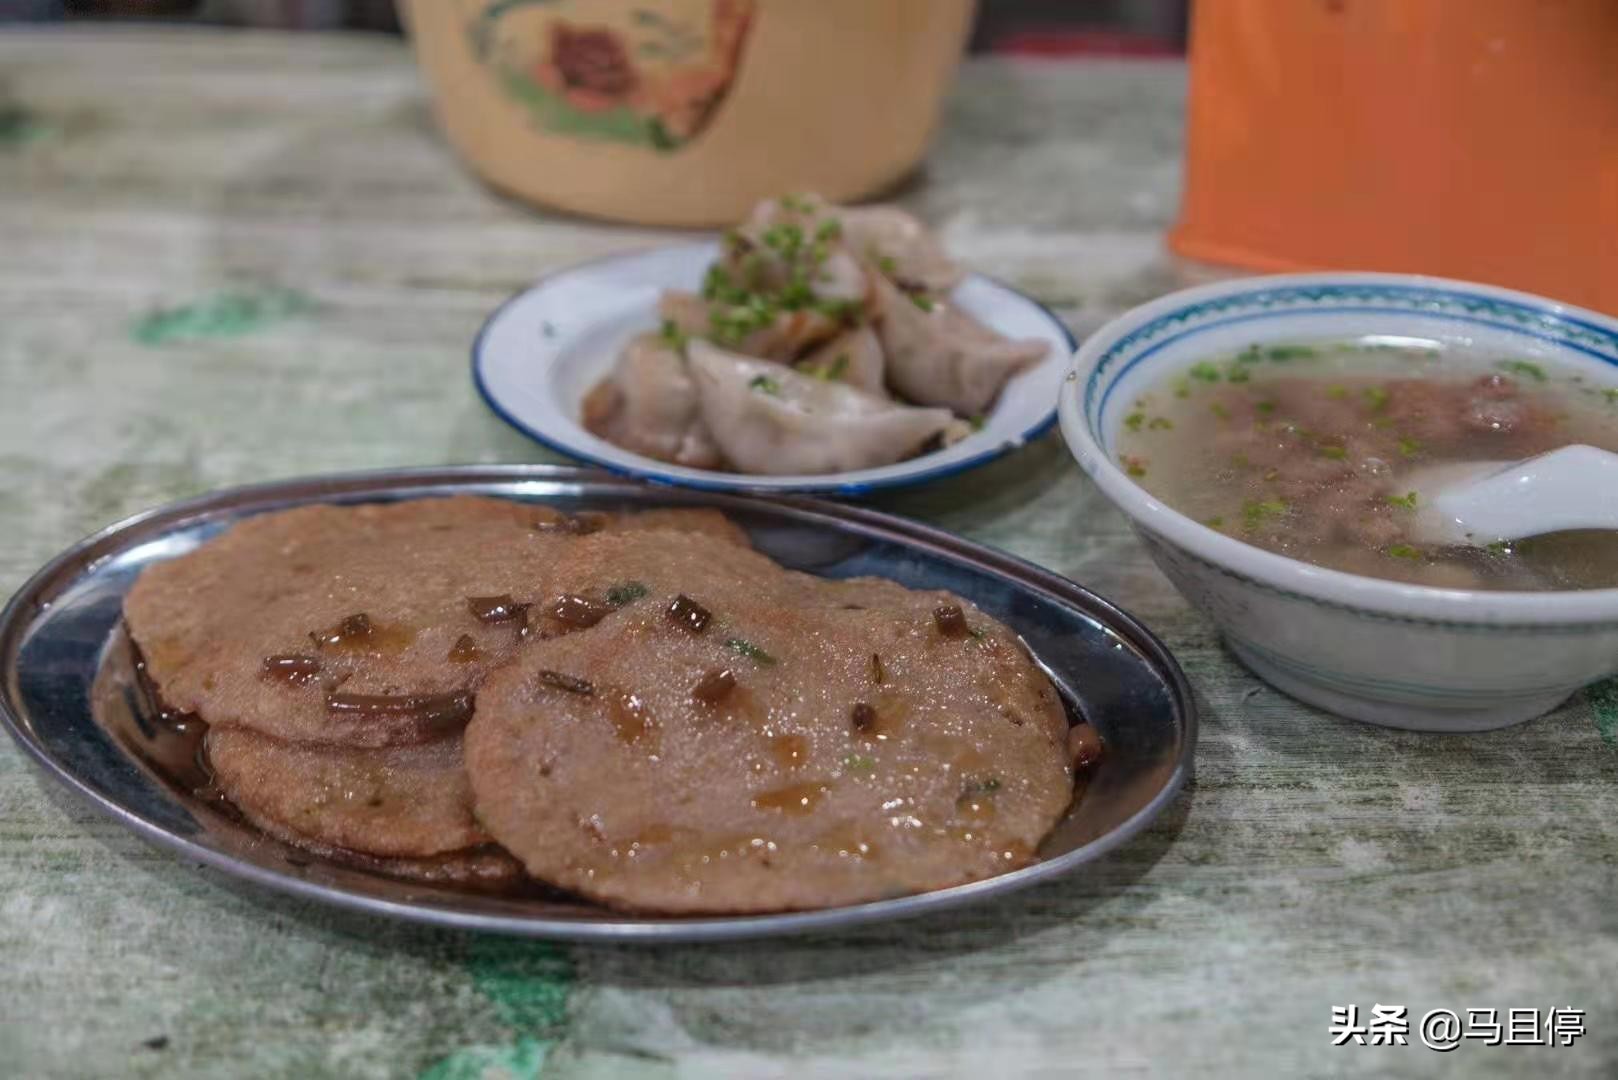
1386,652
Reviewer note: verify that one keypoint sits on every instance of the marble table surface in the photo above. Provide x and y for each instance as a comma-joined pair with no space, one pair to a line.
230,257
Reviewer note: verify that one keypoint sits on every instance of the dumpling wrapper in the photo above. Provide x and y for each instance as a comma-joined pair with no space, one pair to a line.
893,240
785,339
942,356
839,275
853,357
649,406
901,246
769,419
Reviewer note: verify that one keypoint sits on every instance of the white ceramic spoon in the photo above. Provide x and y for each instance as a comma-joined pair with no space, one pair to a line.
1479,502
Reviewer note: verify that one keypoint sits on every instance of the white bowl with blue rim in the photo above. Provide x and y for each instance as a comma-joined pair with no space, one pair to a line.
541,352
1408,656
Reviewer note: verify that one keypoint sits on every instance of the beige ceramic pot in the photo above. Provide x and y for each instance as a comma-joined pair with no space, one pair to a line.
686,112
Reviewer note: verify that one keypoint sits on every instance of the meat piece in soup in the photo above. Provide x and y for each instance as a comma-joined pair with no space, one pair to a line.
1306,450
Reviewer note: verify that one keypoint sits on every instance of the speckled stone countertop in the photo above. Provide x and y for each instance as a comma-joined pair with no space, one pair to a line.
234,257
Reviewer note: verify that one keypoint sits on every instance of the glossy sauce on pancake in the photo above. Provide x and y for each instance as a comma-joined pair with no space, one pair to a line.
741,738
362,626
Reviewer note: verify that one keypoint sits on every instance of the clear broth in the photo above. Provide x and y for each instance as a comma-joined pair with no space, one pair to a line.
1302,449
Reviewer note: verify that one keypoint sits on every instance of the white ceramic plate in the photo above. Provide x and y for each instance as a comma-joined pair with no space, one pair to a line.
542,350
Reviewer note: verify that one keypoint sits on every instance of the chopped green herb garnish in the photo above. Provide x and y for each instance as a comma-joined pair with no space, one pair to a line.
1337,392
1525,368
626,593
1237,374
1159,423
1219,410
1134,420
1250,355
717,285
1134,466
1182,388
858,762
796,294
1409,447
840,310
833,371
830,229
1404,551
764,385
672,335
798,204
923,301
1283,353
1214,522
1336,453
1499,547
785,238
977,421
885,263
1611,396
749,650
1376,398
1256,512
730,323
1407,501
1264,408
1205,371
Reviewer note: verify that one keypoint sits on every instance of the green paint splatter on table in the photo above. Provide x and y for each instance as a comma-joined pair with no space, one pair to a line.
1603,699
528,981
529,984
226,314
19,126
522,1060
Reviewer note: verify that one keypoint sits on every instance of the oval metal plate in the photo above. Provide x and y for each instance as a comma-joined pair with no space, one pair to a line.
65,672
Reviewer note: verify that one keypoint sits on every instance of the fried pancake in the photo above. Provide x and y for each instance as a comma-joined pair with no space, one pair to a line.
364,626
409,801
481,869
741,738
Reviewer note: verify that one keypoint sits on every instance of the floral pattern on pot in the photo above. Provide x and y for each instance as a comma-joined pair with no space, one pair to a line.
648,73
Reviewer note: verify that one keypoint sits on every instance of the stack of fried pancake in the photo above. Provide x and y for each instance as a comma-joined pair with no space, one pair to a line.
639,709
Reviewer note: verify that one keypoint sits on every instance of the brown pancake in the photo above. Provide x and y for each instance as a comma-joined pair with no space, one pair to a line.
362,626
408,801
866,747
481,869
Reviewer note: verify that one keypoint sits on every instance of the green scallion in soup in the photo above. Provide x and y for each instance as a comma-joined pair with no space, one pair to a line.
1302,449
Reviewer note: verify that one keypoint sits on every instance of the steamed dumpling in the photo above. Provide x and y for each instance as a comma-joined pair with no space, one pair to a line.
939,355
784,338
904,248
770,419
853,357
886,237
796,234
649,405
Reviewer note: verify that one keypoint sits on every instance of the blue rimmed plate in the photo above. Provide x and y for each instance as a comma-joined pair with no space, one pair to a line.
542,350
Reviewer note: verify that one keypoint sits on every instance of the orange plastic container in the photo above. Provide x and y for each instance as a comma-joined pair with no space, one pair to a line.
1469,138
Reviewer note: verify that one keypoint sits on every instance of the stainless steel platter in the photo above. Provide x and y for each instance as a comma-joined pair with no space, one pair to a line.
68,697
